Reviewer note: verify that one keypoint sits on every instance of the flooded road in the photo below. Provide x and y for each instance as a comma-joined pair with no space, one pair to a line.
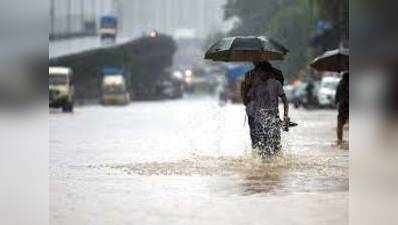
188,162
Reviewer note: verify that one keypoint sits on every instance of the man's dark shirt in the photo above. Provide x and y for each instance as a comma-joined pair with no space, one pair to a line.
278,75
249,80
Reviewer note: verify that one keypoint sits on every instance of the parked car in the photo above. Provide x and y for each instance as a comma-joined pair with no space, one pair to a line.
114,86
170,89
297,95
114,90
61,88
327,91
289,92
300,96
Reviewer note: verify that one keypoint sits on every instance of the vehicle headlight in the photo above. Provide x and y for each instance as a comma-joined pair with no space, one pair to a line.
53,93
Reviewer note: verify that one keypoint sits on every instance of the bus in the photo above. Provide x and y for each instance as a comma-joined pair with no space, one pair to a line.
108,28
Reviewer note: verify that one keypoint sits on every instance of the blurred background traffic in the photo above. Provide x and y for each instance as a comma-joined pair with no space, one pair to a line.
24,43
156,48
157,128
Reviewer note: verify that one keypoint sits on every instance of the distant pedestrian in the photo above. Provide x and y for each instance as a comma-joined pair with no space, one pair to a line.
260,92
309,89
342,101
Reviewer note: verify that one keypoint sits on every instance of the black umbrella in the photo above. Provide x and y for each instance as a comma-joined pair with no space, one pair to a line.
246,49
335,61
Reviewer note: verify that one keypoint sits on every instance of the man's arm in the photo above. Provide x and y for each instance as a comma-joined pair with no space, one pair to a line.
285,107
282,95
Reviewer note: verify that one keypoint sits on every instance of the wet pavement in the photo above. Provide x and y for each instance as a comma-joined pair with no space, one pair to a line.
189,162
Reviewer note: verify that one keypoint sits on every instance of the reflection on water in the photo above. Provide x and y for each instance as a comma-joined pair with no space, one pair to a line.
285,172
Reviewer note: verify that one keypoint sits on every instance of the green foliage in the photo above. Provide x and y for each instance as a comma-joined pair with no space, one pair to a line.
213,38
252,15
336,12
292,26
288,21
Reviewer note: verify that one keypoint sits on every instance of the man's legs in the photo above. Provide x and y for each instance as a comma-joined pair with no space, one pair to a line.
341,120
251,127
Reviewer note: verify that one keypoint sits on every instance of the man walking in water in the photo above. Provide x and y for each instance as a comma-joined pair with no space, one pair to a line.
260,91
342,101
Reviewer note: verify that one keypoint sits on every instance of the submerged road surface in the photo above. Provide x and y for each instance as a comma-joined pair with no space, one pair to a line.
188,162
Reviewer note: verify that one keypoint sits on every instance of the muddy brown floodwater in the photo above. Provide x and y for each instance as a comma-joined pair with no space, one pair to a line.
189,162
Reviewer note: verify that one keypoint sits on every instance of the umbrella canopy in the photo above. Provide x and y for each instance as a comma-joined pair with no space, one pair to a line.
334,61
246,49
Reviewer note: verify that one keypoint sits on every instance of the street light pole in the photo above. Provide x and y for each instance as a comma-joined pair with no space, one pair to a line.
52,15
83,27
69,17
94,15
116,8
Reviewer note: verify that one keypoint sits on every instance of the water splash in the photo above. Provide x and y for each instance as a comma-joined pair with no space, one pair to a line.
251,173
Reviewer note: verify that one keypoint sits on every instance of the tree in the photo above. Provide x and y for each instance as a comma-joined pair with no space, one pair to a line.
289,21
252,14
337,13
292,26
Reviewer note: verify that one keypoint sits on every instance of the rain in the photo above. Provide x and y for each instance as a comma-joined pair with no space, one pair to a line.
148,123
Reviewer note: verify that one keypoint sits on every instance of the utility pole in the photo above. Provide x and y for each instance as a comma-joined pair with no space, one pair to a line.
69,17
117,9
52,17
340,23
120,11
82,18
101,7
94,15
343,22
311,8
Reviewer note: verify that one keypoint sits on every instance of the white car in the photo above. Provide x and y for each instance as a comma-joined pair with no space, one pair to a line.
289,92
114,90
327,91
60,88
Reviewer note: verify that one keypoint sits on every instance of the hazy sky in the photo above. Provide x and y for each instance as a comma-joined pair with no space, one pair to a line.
167,16
137,16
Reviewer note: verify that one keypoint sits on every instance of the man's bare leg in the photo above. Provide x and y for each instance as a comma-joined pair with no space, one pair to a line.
340,126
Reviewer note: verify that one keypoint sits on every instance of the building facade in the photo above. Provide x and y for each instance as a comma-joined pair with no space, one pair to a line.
76,16
200,17
187,17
